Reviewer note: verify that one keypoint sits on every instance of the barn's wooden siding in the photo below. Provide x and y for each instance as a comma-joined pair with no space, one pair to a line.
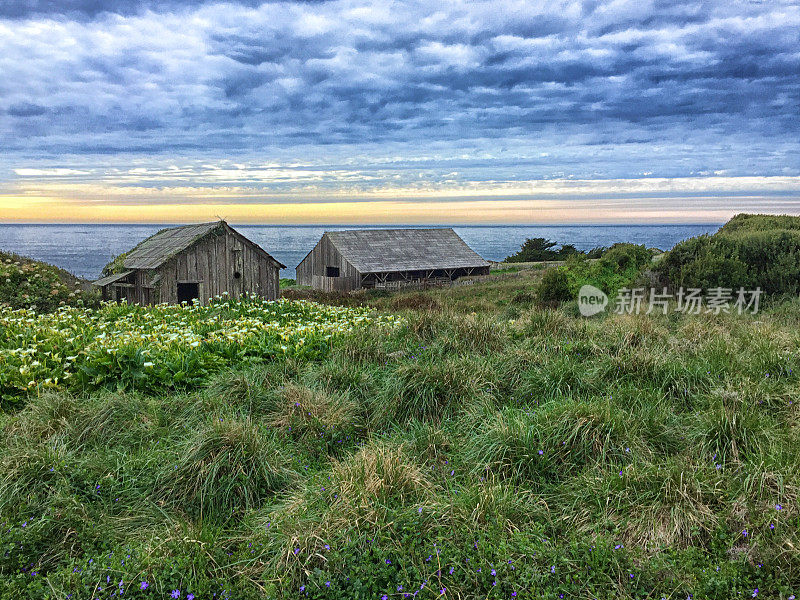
313,268
212,263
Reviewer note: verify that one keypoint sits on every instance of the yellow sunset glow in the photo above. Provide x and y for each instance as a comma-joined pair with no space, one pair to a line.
42,196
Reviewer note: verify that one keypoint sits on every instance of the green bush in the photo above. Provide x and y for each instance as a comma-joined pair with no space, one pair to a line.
750,251
554,288
618,267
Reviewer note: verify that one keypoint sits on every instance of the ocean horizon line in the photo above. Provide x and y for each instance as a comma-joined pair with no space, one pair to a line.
389,225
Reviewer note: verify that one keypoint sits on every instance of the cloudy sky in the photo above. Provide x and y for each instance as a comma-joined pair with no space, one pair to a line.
398,112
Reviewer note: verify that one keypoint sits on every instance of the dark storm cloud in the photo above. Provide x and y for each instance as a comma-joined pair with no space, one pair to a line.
23,9
26,109
83,76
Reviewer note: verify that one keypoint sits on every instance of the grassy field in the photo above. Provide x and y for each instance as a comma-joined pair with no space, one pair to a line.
472,445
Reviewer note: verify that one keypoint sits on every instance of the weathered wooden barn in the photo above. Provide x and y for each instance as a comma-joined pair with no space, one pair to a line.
192,262
368,258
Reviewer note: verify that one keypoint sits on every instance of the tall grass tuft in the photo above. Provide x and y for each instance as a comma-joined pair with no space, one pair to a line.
430,390
553,442
227,466
247,390
731,430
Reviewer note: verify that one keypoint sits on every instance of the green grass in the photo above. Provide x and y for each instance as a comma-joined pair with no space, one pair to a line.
483,447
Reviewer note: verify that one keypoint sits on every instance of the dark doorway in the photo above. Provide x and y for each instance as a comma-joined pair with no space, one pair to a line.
331,271
188,291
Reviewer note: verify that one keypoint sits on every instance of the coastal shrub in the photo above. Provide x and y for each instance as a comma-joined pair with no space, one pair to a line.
535,250
27,283
554,288
541,249
618,267
750,251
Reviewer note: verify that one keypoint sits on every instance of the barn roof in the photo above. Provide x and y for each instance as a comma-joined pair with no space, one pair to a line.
111,278
159,248
388,250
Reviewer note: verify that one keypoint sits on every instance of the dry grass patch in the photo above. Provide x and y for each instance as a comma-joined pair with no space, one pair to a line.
357,494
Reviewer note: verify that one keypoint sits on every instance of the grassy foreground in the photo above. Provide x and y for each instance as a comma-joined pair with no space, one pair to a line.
481,448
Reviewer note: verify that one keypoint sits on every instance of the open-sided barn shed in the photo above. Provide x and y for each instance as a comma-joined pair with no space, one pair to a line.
348,260
192,262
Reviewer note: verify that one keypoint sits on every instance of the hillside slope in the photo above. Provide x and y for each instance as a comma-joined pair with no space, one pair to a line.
483,448
749,251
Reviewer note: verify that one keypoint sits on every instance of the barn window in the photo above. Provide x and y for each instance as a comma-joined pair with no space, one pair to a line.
331,271
188,291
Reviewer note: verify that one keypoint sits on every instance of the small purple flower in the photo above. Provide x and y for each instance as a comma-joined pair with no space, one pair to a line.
189,596
384,597
778,507
552,569
327,584
175,594
143,585
755,593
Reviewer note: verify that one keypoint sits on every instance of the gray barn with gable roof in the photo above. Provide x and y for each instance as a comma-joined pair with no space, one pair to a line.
191,262
368,258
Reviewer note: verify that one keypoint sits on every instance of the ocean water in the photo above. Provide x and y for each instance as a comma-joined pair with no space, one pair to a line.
85,249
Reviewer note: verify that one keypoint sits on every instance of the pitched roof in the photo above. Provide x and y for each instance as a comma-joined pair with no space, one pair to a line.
111,278
387,250
159,248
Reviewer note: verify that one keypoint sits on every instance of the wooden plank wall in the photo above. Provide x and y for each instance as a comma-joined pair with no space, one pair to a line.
312,270
212,262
